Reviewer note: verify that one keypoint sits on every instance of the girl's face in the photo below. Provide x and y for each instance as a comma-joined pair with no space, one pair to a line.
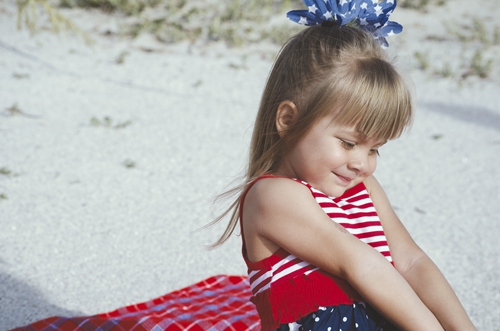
331,158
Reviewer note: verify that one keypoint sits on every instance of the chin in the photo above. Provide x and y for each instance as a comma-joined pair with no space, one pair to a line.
336,192
351,185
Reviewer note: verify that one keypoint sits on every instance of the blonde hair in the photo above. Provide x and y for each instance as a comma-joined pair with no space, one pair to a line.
324,69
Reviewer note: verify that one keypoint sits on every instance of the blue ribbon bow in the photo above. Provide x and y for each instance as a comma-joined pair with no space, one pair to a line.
369,15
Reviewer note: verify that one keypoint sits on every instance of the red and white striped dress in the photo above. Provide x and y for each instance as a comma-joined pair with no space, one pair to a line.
286,288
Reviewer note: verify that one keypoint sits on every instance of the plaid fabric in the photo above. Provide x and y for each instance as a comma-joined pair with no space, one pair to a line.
219,303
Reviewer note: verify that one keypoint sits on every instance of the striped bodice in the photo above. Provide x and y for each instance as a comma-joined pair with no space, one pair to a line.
283,266
277,279
354,211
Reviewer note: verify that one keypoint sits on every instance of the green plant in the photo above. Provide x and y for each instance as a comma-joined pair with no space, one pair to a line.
5,171
242,65
3,196
107,122
20,76
121,57
479,66
129,7
122,125
14,110
420,4
437,136
129,163
414,4
496,36
234,22
480,32
423,60
474,32
478,36
27,14
446,71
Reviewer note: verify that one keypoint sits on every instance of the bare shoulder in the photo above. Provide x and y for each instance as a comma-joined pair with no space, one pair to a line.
269,197
269,207
275,189
372,185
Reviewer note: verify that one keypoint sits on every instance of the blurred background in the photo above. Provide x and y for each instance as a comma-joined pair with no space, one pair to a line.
121,122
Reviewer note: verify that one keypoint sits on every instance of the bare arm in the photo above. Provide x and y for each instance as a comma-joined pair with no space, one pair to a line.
284,212
417,268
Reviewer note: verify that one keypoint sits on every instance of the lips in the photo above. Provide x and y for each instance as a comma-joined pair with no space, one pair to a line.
344,180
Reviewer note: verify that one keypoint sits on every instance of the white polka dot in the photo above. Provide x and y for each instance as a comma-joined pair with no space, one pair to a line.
316,319
332,310
353,305
329,329
366,316
356,325
344,319
314,315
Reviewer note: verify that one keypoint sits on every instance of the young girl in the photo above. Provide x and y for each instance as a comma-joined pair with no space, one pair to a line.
323,246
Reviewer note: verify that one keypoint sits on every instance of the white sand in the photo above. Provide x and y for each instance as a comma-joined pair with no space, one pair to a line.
80,233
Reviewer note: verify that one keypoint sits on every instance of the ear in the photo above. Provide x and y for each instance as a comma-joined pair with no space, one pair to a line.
285,116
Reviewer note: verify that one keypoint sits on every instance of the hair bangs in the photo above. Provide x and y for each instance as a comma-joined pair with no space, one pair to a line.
375,99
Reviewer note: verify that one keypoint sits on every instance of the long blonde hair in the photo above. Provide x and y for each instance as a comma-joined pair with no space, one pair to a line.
321,69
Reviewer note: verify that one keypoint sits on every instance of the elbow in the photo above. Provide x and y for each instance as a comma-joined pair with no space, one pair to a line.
359,272
410,262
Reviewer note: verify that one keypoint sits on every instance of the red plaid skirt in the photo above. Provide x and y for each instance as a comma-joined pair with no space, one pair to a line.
219,303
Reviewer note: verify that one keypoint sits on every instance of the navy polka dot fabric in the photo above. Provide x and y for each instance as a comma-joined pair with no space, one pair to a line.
355,317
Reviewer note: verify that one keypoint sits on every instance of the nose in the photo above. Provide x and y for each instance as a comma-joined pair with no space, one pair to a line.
358,163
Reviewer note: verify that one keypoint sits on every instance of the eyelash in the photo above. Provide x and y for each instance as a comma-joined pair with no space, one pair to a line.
349,146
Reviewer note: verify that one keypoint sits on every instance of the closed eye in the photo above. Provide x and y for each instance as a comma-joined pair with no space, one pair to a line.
347,145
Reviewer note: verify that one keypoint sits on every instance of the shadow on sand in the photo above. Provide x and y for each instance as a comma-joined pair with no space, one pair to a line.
477,115
22,304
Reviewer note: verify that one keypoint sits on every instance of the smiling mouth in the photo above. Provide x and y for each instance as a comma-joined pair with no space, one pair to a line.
345,180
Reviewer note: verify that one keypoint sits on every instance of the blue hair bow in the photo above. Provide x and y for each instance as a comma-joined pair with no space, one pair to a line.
369,15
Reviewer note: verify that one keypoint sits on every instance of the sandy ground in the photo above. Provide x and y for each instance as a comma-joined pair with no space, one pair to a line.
108,169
